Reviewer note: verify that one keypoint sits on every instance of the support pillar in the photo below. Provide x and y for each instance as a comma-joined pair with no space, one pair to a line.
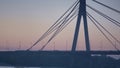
82,13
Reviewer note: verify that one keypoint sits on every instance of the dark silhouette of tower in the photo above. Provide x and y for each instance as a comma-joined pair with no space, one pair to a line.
82,13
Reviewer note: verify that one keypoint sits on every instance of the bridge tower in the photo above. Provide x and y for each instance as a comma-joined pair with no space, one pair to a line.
81,13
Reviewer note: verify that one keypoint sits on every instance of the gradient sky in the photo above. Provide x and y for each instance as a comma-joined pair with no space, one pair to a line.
22,22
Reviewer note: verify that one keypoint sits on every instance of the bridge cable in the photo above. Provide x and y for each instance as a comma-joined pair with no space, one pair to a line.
57,31
94,22
54,25
60,28
106,29
107,6
105,16
50,30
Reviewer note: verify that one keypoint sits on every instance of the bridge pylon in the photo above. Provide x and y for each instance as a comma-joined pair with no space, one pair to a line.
81,13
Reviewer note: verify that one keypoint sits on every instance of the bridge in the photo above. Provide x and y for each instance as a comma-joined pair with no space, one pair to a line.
52,58
68,59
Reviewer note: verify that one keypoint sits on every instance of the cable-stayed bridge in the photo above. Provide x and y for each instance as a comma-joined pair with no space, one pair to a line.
73,58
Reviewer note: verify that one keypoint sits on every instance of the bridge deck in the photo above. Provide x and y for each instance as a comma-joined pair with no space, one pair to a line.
48,58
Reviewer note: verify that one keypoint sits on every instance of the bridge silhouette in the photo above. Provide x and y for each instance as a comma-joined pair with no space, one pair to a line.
69,59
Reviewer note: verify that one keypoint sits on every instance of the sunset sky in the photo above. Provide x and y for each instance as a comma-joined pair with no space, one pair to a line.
22,22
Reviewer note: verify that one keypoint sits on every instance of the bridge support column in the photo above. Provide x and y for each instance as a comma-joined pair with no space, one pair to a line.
82,13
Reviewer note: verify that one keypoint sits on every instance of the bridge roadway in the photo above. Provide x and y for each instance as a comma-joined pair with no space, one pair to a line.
48,58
